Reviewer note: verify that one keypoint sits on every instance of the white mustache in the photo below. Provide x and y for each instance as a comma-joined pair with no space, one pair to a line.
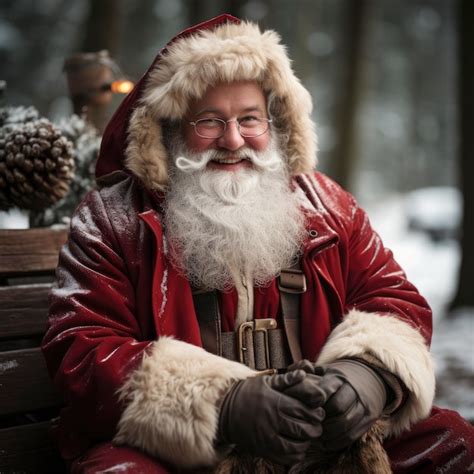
267,160
195,161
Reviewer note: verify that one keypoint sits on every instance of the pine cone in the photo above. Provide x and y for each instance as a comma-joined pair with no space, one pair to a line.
36,165
86,143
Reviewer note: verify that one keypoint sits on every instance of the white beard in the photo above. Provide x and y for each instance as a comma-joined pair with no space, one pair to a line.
223,224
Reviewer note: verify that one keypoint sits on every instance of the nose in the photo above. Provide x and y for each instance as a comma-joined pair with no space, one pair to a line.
232,139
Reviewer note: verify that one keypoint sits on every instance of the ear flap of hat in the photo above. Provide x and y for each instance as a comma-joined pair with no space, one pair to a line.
146,155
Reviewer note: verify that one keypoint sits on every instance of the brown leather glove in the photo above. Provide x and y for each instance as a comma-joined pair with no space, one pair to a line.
355,398
262,421
307,390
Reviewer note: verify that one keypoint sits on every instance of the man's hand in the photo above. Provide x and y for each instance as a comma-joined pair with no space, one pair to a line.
355,398
261,420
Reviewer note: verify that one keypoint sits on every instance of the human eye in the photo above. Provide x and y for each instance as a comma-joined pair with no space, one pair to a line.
209,123
249,120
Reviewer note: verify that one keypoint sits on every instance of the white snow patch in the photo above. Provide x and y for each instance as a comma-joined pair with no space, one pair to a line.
14,219
123,467
164,282
431,266
164,290
435,207
9,365
165,246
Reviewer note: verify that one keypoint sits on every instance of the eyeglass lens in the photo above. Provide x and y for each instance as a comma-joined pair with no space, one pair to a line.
215,128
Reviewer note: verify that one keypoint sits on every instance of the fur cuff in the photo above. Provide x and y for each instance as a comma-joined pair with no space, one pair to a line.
172,402
401,350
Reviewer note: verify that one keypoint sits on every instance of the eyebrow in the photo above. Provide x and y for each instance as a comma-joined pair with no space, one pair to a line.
252,108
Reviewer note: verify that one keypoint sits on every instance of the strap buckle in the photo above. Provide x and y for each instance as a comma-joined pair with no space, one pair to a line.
292,281
262,325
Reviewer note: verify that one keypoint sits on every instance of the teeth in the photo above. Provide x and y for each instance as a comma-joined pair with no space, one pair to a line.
229,161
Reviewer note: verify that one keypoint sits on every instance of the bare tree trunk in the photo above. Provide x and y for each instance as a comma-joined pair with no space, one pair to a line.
200,11
465,291
302,61
234,7
194,12
343,158
102,26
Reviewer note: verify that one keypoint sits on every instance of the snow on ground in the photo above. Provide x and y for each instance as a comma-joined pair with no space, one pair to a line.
432,266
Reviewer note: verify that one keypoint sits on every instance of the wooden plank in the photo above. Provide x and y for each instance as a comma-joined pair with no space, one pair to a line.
28,448
30,250
23,310
24,382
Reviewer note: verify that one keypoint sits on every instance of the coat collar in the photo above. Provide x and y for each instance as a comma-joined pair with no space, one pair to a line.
320,234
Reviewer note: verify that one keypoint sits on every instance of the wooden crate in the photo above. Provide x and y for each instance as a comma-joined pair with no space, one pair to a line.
28,400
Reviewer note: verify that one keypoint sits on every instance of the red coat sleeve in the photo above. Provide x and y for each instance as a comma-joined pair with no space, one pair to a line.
386,321
93,340
377,283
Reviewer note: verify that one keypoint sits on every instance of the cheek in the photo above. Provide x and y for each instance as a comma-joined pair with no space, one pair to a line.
194,142
259,143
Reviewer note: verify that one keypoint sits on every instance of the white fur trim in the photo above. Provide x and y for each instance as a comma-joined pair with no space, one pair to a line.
227,53
172,402
146,153
401,350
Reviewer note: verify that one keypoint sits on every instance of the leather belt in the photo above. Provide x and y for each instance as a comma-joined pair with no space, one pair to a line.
258,345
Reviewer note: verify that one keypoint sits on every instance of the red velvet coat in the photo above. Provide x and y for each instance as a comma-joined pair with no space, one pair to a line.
117,292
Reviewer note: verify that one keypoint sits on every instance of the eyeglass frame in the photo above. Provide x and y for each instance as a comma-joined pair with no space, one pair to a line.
225,122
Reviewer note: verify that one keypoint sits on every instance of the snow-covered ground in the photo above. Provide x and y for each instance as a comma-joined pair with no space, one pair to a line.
432,266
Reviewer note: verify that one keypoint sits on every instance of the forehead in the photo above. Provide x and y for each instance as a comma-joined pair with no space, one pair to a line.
230,98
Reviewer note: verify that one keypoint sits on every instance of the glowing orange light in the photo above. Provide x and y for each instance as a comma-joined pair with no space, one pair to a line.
121,87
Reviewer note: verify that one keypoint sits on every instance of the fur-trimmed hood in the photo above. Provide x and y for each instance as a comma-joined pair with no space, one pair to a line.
223,49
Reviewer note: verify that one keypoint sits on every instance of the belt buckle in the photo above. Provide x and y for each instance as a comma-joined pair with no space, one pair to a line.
262,325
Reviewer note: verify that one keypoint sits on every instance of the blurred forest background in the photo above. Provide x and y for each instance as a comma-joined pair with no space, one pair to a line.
391,82
383,73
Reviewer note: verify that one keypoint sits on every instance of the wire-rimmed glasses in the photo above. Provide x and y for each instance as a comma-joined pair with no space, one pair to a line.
248,126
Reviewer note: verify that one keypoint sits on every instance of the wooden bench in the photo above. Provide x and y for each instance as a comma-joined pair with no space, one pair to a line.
28,399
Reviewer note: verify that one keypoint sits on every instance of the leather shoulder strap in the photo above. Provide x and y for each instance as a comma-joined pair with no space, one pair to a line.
292,283
206,306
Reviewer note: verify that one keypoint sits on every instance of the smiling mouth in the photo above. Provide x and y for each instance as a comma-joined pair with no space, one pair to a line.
229,161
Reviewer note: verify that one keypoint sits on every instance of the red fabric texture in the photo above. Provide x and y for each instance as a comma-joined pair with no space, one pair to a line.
442,443
105,457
